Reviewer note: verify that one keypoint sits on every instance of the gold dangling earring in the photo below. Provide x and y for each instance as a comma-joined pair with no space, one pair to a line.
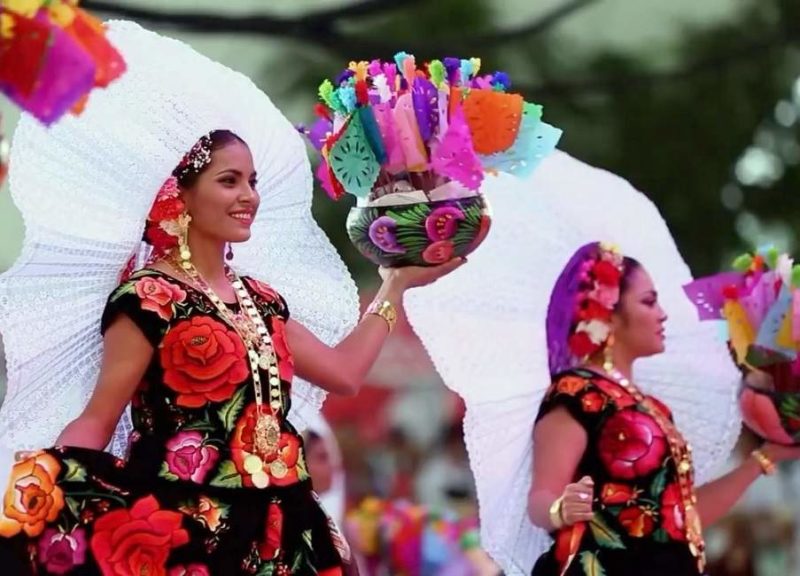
608,354
183,241
229,253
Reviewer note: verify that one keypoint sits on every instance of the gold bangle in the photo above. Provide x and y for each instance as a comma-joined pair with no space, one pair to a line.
385,310
768,467
557,513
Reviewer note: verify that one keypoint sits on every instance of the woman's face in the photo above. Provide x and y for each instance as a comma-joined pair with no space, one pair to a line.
638,323
223,201
320,464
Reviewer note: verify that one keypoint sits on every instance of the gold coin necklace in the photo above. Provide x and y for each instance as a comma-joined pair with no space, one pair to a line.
250,327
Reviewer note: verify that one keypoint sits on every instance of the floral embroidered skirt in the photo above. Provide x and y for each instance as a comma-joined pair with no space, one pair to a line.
83,512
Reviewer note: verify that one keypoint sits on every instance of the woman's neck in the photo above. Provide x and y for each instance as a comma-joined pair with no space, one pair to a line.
208,257
621,362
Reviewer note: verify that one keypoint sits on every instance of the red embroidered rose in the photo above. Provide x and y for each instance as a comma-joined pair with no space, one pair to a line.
137,541
581,345
158,295
264,290
672,513
438,252
285,358
614,493
570,385
606,273
631,445
637,521
190,570
593,402
203,361
273,533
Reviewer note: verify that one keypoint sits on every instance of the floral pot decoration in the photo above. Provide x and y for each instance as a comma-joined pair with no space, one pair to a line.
52,55
412,144
760,300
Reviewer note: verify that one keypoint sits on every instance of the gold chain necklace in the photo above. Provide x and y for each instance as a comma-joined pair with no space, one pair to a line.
252,330
681,455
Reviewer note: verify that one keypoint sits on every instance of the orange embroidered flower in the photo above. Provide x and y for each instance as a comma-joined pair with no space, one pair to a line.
593,402
571,385
33,498
637,521
613,493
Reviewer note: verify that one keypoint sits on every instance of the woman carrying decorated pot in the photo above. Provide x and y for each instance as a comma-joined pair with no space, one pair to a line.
215,478
565,436
612,474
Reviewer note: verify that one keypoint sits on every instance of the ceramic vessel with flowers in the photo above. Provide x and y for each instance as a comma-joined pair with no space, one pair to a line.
412,144
760,300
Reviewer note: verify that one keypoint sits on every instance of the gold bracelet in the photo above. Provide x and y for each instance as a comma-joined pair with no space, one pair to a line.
385,310
557,513
768,467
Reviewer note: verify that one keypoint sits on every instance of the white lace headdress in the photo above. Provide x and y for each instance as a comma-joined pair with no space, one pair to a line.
484,327
85,187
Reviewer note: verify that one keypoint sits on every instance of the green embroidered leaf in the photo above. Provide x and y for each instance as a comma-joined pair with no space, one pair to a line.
661,536
74,507
659,483
166,474
307,538
301,556
591,565
266,569
302,470
227,476
604,535
201,424
75,471
127,288
230,411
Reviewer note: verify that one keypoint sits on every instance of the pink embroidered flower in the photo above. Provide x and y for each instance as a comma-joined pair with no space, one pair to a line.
188,458
438,252
59,552
631,445
442,222
190,570
672,513
158,295
264,290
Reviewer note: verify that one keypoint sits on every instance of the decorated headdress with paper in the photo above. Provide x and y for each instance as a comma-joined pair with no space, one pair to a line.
386,122
52,55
